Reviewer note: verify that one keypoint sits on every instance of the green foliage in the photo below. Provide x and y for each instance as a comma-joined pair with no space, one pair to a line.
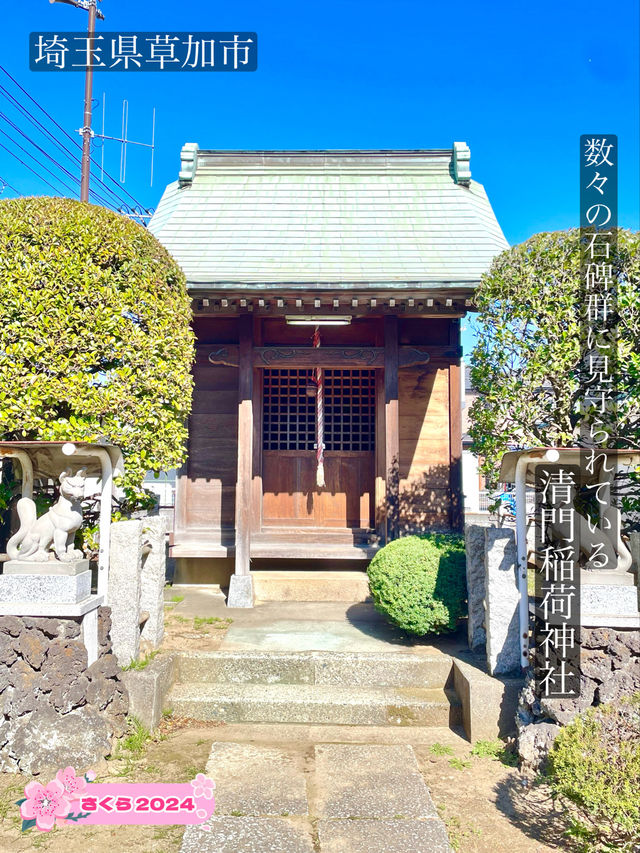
176,599
594,767
216,621
440,749
459,764
136,738
143,663
94,333
525,366
496,750
418,582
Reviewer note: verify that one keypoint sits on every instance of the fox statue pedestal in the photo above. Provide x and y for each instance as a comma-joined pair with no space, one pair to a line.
39,582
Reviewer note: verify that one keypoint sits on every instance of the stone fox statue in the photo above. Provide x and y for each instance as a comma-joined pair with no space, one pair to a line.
56,527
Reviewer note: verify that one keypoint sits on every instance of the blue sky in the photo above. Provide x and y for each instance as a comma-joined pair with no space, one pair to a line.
519,82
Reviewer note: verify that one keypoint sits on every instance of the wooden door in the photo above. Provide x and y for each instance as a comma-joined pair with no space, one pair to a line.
291,497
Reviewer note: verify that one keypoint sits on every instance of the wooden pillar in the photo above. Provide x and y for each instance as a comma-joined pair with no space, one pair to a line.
245,445
391,425
456,508
380,493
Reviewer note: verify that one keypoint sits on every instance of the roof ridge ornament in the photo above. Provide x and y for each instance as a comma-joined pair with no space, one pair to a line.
188,163
461,163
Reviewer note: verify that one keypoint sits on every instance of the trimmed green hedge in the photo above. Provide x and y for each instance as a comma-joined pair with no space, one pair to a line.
419,582
95,338
594,767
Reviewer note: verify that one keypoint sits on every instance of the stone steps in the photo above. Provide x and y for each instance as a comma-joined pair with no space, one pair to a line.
316,703
358,669
302,585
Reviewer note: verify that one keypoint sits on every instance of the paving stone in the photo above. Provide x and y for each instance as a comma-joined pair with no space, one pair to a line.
364,781
383,836
249,835
257,780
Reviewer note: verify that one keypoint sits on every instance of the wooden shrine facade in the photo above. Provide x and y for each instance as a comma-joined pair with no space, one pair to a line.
327,289
393,427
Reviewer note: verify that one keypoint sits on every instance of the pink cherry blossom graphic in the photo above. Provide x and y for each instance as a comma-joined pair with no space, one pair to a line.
203,787
201,813
45,804
74,786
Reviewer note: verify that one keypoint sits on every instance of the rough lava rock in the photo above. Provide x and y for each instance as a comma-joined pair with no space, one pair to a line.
48,741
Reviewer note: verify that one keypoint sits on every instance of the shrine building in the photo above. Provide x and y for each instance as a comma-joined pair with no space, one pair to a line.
328,288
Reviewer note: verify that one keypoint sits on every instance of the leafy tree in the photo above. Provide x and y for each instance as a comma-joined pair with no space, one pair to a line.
525,366
94,333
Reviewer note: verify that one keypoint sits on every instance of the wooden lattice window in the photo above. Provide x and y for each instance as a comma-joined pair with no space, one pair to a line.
289,420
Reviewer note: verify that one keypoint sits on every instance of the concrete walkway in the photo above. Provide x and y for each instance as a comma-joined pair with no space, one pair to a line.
305,625
331,798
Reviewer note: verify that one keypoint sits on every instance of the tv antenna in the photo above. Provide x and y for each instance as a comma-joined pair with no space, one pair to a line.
124,140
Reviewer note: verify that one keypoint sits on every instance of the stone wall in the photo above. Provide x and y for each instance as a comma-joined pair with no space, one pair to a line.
609,669
56,710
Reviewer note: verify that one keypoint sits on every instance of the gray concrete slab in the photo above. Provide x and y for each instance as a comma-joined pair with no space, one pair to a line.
383,836
257,780
309,635
249,835
365,781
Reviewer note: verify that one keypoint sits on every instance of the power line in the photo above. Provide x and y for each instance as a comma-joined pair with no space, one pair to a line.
35,159
34,121
45,154
76,143
46,132
26,165
11,187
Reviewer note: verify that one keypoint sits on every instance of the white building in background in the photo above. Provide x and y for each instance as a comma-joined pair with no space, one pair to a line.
473,483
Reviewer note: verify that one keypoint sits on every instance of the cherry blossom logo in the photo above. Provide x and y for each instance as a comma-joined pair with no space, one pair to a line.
45,805
203,788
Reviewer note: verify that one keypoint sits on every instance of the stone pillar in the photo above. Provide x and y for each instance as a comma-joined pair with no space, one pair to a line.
152,580
241,582
474,541
124,589
502,599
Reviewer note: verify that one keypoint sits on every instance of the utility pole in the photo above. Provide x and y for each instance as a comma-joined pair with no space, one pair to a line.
92,7
88,94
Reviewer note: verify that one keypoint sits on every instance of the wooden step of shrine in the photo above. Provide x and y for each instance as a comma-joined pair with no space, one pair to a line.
294,585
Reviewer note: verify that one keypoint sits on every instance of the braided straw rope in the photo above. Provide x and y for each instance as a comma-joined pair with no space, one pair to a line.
317,375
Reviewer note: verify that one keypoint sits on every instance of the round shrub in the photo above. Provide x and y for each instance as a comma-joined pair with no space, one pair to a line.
419,583
594,768
94,333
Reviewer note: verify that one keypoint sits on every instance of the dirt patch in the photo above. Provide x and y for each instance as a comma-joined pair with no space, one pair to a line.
488,806
193,633
177,752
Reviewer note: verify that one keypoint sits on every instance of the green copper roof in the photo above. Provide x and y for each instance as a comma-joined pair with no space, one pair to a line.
313,218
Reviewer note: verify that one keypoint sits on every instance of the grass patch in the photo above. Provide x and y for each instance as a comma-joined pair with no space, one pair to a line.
216,621
137,738
236,813
496,750
191,772
459,764
182,619
440,749
137,665
176,599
